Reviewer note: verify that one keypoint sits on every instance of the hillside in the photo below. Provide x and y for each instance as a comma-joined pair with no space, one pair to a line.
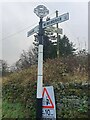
70,85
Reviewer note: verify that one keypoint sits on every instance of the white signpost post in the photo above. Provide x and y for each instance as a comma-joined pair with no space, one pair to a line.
48,104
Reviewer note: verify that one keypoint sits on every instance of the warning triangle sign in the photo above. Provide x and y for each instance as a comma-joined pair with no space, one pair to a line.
47,102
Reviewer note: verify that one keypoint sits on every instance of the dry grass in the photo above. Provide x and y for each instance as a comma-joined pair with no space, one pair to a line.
21,86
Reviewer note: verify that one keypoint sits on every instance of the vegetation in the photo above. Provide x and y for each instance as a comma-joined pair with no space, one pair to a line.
3,68
26,60
50,47
70,85
12,110
68,74
65,47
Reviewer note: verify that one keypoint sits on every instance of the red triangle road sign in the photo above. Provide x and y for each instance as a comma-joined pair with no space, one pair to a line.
49,99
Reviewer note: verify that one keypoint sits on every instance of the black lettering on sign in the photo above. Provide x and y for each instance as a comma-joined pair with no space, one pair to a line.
47,112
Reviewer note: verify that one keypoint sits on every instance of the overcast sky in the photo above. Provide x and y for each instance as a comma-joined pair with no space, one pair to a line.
18,18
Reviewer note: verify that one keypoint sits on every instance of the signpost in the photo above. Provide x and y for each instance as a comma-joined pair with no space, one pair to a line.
45,96
41,11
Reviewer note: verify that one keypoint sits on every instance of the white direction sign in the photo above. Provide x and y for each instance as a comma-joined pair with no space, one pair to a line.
53,21
32,31
48,105
56,20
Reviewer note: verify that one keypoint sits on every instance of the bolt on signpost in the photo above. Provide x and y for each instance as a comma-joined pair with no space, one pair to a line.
41,11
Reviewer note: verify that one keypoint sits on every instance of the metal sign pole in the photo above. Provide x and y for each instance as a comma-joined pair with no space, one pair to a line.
40,73
41,11
57,37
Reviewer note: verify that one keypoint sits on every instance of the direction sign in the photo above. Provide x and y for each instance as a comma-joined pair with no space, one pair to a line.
32,31
36,29
52,21
48,105
56,20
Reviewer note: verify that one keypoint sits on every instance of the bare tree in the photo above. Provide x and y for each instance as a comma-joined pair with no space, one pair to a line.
3,68
27,59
